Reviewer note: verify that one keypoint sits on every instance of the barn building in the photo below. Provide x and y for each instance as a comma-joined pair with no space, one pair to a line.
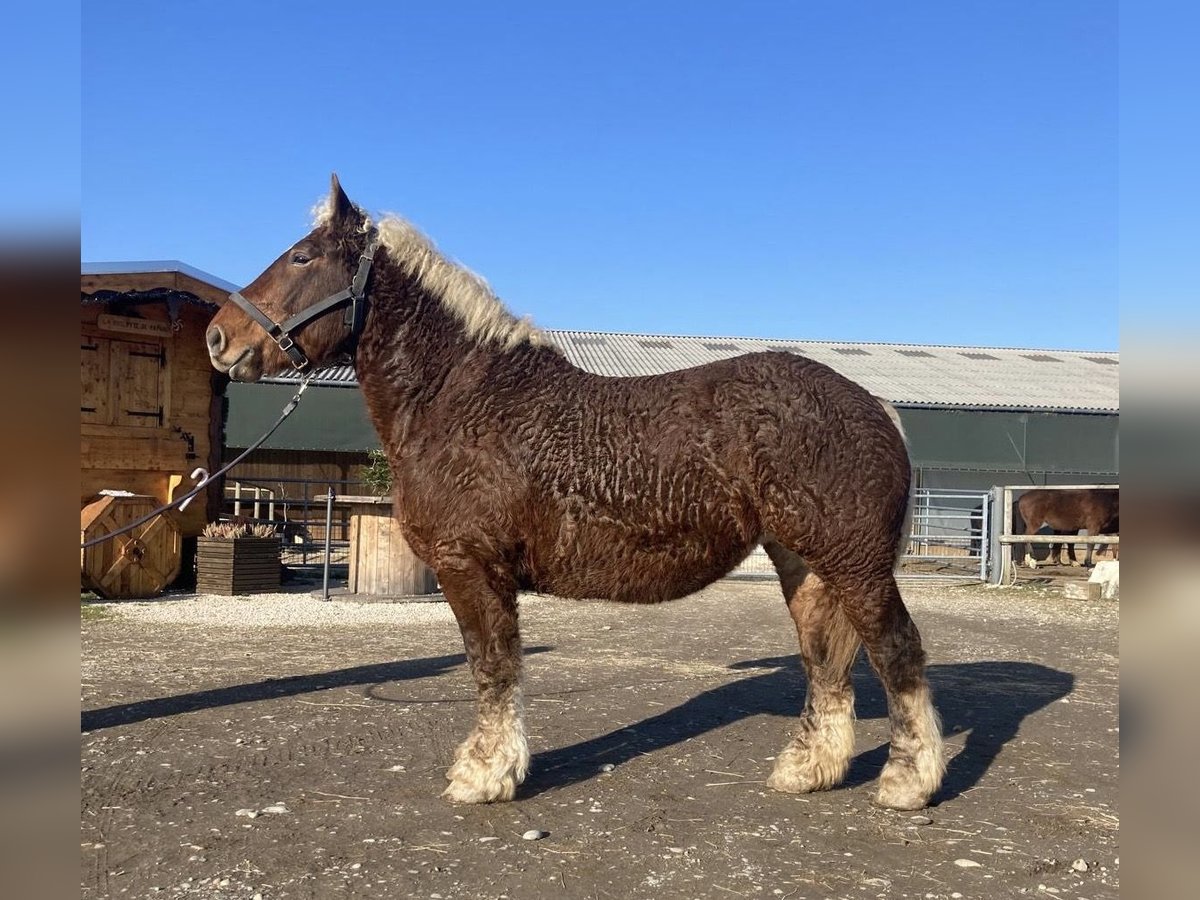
975,416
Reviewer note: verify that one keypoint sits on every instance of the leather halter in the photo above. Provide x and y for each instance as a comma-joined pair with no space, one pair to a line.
353,297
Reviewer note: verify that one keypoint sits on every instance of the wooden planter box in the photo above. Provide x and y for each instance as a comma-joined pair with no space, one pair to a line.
381,562
248,565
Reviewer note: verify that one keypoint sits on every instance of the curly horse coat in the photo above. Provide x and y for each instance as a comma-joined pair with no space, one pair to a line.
515,470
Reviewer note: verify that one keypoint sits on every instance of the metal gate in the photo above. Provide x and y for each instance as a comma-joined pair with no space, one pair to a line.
949,538
950,535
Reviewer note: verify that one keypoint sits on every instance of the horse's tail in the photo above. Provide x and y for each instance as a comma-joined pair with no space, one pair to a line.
906,530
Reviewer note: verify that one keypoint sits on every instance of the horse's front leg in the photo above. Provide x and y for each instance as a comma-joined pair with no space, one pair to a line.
494,758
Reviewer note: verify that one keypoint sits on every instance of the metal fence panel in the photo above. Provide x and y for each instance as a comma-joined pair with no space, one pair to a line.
950,538
297,508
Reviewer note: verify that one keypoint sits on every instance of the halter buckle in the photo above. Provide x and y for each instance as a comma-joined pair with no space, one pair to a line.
300,362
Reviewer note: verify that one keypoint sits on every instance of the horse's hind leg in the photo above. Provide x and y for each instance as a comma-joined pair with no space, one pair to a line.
494,758
1094,527
916,761
819,755
1070,548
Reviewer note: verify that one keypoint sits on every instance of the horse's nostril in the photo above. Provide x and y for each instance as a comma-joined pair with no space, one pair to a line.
216,339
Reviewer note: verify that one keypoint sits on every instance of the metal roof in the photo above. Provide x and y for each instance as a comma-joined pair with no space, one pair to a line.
932,375
149,266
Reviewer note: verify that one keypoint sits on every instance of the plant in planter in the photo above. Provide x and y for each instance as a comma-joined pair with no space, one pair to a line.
234,558
377,475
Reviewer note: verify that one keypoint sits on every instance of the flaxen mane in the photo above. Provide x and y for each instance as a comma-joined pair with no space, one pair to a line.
467,295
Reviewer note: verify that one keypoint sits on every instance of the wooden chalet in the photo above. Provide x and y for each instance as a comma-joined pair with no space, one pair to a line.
151,406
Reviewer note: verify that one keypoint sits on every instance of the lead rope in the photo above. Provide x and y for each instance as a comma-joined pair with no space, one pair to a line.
180,501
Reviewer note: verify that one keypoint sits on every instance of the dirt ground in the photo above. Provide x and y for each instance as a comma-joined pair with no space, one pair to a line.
284,760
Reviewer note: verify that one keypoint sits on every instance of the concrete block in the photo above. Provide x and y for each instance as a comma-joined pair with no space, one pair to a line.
1107,574
1081,590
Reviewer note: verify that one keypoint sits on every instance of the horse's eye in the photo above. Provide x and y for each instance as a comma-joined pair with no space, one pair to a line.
300,259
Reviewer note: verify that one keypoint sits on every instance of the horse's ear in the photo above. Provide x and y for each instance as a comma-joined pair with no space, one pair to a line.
340,207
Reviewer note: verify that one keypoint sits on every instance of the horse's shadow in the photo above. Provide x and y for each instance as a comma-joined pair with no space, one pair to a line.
273,688
987,700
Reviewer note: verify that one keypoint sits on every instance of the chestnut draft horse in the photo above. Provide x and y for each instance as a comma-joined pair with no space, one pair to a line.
515,470
1066,511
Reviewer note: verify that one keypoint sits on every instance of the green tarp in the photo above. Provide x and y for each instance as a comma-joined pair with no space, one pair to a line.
335,418
328,418
1012,441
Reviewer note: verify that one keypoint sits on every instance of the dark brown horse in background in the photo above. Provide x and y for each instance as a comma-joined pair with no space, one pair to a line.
515,470
1067,511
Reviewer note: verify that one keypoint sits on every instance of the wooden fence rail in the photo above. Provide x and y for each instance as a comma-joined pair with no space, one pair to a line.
1004,572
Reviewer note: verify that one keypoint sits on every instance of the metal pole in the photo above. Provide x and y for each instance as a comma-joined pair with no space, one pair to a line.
307,521
985,536
328,533
1006,550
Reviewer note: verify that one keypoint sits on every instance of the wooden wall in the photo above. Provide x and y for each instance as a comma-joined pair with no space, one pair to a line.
319,466
150,402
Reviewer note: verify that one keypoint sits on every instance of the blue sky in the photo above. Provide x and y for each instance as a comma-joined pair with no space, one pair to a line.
40,151
939,172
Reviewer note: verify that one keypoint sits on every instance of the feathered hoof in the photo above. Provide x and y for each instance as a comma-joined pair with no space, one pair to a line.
906,786
475,778
801,770
489,790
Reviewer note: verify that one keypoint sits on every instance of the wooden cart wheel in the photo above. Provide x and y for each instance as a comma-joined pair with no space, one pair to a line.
140,563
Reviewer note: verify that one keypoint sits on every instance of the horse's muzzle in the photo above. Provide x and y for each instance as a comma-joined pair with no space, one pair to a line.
215,338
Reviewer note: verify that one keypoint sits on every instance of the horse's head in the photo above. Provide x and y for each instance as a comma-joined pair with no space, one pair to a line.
320,264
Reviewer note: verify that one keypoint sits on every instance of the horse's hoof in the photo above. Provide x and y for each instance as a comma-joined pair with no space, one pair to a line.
466,791
801,770
902,791
898,798
475,778
912,783
795,781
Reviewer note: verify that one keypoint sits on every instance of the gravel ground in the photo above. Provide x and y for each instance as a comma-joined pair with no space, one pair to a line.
285,747
298,609
1036,603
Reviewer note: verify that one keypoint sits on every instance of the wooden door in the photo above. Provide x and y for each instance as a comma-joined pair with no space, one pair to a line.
137,370
94,370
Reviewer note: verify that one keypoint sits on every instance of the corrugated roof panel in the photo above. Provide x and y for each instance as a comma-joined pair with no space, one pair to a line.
927,374
931,375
